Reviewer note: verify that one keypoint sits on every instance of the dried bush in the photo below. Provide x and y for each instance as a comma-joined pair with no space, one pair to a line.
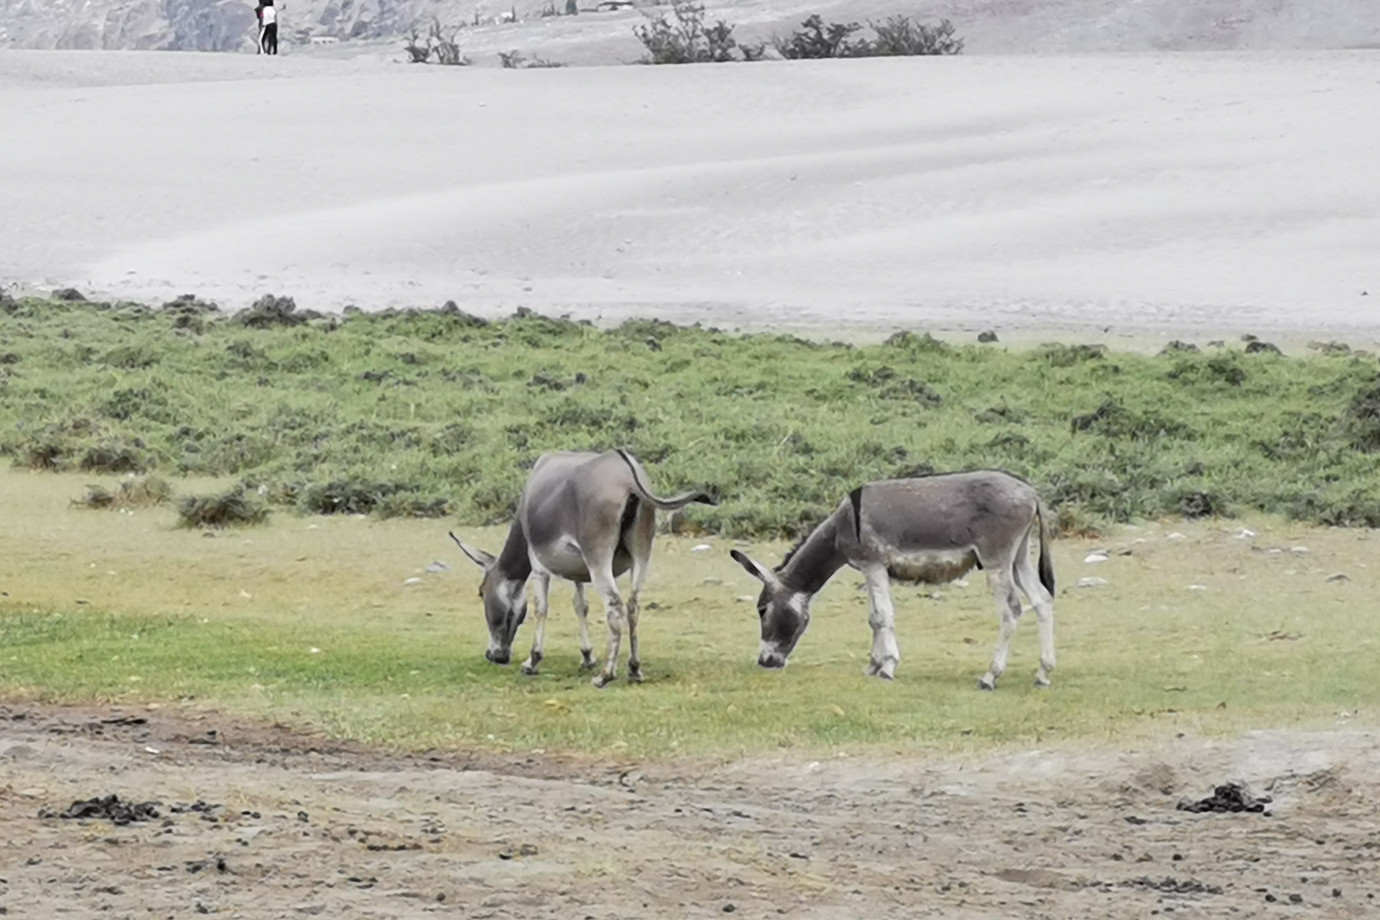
144,492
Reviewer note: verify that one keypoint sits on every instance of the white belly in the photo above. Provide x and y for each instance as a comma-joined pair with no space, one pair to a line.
935,567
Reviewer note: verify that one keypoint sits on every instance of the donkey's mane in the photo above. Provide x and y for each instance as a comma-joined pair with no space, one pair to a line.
795,549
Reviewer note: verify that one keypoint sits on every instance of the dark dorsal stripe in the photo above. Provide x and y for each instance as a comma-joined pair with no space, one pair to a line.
855,498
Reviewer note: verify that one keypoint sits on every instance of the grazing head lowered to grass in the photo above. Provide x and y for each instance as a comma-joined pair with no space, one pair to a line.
587,518
930,529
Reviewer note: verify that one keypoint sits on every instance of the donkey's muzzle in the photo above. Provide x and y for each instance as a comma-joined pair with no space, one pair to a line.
500,657
771,660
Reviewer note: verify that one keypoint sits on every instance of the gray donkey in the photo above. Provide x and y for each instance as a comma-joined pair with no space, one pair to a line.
587,518
931,529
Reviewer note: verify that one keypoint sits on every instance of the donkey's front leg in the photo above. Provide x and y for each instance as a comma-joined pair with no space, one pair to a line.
886,654
541,598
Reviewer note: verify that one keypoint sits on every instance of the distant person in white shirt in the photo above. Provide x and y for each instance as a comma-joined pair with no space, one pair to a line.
268,28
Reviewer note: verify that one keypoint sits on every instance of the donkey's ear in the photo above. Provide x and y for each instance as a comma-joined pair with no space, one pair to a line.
477,555
762,574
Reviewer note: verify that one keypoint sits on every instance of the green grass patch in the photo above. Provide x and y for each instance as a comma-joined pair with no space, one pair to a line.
276,627
438,413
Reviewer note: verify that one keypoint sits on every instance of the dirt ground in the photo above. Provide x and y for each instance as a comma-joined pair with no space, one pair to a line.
309,827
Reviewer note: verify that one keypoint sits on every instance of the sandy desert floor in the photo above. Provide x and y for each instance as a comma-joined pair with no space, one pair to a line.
1147,194
306,827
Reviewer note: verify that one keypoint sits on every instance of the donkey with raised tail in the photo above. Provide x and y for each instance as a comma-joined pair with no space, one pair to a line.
930,529
583,517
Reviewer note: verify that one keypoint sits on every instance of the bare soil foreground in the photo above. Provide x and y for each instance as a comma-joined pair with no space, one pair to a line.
302,826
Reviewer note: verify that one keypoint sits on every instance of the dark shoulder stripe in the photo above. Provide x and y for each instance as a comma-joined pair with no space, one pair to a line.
855,498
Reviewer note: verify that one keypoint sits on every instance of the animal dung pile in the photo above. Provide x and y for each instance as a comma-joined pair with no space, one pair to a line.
110,808
1232,797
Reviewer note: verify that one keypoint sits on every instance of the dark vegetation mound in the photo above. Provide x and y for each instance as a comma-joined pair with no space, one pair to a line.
440,412
1231,797
109,808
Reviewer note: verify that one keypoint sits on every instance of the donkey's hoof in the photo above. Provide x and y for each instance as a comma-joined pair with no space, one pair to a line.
588,664
872,669
603,680
635,675
529,669
988,682
1041,680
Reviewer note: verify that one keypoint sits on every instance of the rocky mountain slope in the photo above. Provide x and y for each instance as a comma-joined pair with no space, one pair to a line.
991,26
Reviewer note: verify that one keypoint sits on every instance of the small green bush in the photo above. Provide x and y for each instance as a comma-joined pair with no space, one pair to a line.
895,36
683,38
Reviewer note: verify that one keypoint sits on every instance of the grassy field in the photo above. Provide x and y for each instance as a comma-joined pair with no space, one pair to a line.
439,414
311,621
386,425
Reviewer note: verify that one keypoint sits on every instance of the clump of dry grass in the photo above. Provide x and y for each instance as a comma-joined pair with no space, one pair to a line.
143,492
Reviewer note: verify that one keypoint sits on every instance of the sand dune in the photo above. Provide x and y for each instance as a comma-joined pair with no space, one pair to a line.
1146,191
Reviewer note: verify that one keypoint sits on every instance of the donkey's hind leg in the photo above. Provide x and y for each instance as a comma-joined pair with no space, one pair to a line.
587,661
1043,602
1003,587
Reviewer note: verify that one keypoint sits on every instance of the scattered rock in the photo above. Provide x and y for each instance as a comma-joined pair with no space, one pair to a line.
1175,536
414,580
1229,797
438,566
1095,557
1298,550
1090,582
1197,587
700,548
1245,533
1339,576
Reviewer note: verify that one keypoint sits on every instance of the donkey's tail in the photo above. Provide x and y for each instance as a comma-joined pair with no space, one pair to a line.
1046,561
665,504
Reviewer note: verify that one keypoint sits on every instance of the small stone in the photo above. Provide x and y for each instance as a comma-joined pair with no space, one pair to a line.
1245,533
438,566
1090,582
1340,576
1175,536
413,581
1299,550
1197,587
1095,557
700,548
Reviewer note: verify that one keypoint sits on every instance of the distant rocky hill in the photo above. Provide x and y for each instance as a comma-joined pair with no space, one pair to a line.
203,25
990,26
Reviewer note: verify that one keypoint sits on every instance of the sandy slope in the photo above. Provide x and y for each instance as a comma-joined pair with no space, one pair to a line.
1206,191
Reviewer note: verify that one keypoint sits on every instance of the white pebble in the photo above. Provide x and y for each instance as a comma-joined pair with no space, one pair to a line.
1298,549
700,548
1245,533
1095,557
413,581
1175,536
1197,587
1090,582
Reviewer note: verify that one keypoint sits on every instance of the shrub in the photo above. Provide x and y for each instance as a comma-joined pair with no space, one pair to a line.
895,36
901,36
516,60
814,39
683,38
233,507
144,492
438,43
